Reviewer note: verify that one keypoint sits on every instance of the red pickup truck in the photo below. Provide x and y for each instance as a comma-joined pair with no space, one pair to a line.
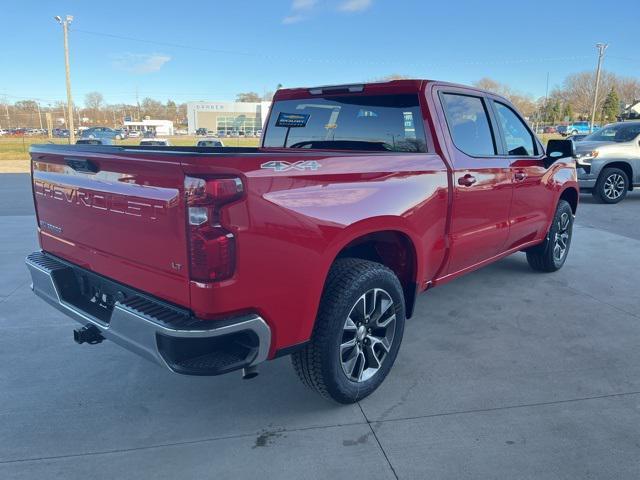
208,260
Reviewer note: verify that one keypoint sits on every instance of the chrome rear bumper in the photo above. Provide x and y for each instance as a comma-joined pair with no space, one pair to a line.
164,334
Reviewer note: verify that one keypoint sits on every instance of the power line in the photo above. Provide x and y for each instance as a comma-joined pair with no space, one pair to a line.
164,44
350,61
626,59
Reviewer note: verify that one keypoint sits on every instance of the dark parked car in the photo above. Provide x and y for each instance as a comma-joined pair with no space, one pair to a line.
549,130
201,131
60,132
103,132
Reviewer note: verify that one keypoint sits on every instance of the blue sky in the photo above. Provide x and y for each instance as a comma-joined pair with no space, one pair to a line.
212,50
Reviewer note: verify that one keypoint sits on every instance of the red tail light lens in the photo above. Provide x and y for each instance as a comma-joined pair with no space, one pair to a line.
212,247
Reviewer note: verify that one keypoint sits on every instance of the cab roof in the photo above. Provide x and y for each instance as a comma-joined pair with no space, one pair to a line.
403,86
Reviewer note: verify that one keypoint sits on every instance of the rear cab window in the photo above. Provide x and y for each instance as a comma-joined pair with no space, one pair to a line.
383,123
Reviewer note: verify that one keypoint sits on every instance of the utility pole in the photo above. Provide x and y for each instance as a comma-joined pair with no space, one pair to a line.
39,114
65,31
6,109
138,103
601,49
546,100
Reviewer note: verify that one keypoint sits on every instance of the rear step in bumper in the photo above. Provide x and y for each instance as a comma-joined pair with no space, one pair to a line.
155,330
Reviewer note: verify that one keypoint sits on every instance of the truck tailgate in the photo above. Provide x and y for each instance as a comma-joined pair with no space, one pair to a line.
122,217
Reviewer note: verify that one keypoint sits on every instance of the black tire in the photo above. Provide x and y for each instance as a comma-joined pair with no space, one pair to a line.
612,185
319,365
545,257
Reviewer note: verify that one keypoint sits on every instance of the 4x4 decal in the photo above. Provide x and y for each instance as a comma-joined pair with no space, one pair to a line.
281,166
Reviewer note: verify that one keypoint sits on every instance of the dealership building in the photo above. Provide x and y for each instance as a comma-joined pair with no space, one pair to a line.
227,117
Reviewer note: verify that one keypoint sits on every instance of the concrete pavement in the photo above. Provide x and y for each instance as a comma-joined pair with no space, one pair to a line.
504,373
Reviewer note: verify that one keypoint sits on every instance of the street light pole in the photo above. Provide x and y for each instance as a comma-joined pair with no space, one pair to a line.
65,31
39,114
601,49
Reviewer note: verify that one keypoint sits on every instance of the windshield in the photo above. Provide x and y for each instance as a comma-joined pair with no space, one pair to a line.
615,133
376,123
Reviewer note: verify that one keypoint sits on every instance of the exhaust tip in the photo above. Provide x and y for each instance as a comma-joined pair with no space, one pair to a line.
249,372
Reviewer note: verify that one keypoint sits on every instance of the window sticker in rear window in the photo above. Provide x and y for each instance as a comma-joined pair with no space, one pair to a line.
381,123
292,120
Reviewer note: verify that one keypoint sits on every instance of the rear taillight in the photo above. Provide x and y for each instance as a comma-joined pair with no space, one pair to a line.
212,248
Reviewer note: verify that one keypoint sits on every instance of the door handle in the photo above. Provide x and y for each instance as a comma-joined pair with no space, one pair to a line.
520,176
466,180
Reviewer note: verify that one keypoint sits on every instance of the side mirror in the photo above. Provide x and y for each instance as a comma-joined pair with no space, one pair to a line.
557,149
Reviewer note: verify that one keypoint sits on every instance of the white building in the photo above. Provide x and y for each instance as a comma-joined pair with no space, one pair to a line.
160,127
227,117
632,111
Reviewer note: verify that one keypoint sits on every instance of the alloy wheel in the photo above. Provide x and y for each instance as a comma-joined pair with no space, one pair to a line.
367,335
614,186
561,240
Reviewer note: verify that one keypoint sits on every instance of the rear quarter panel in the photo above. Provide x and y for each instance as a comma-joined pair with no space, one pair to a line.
291,225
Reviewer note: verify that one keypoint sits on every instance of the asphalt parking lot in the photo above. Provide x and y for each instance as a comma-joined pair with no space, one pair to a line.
504,373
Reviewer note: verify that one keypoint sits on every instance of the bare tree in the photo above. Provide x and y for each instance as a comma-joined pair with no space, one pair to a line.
492,85
171,111
182,114
628,90
248,97
523,102
578,89
388,78
94,101
152,108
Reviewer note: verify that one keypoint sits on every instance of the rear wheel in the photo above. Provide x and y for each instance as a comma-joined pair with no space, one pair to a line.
550,255
357,333
612,185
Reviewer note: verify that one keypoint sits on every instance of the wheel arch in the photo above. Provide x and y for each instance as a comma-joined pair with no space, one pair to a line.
570,194
393,248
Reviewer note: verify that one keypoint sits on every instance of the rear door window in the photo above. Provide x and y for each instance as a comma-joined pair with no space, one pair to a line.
385,123
469,125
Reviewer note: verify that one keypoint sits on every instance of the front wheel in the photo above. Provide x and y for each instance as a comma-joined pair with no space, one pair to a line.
357,333
550,255
612,186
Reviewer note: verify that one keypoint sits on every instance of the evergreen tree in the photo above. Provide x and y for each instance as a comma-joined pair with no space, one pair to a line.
611,106
567,112
554,111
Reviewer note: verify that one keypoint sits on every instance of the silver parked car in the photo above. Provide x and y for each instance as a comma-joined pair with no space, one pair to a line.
608,161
